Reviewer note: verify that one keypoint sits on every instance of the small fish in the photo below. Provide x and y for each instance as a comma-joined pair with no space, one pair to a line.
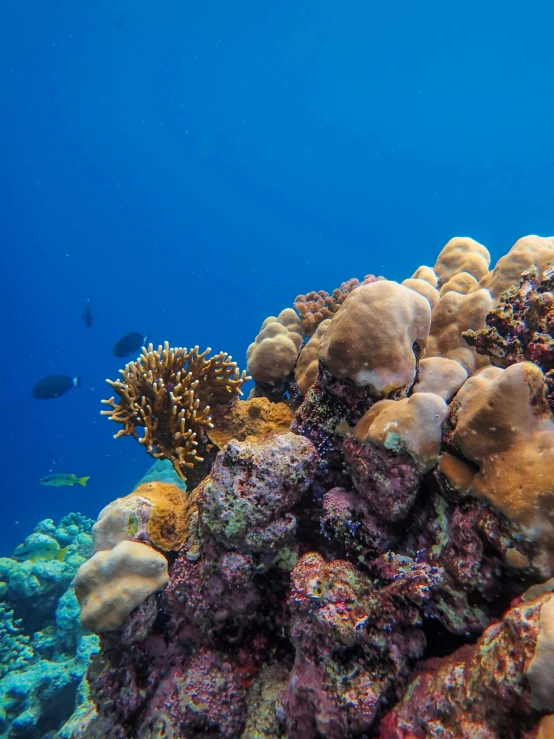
39,548
53,386
58,480
129,344
87,314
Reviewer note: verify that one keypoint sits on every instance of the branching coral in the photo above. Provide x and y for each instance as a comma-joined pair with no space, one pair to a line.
168,392
315,307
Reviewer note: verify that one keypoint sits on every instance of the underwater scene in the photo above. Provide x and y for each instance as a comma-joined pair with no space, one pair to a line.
277,284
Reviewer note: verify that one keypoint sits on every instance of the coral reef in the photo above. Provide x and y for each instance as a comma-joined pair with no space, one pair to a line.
454,314
492,689
168,393
251,511
44,652
530,251
462,255
382,566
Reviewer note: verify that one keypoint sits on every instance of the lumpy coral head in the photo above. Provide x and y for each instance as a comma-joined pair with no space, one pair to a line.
412,425
441,376
371,339
115,581
272,356
526,252
462,254
454,314
424,288
504,425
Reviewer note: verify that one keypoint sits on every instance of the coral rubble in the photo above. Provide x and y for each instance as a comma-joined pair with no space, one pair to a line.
374,557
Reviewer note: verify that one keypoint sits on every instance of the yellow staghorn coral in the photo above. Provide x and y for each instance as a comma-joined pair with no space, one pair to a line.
168,392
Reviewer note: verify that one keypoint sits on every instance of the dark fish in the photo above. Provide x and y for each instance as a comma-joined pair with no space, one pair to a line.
87,314
129,344
53,386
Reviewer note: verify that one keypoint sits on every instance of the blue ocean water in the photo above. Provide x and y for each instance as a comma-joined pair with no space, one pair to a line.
190,167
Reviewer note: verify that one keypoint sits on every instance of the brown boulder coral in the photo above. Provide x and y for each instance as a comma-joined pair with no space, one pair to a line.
376,337
527,252
462,254
307,365
168,393
502,423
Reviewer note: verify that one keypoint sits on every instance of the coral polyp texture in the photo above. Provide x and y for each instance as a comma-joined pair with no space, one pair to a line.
164,398
367,549
315,307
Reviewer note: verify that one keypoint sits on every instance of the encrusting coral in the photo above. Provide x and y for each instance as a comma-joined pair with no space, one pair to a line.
521,327
482,691
168,393
249,420
384,567
155,513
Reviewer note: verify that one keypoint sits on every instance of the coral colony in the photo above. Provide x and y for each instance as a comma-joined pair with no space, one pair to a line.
366,545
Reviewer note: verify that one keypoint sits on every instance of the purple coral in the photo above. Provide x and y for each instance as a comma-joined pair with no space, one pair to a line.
480,691
246,500
388,482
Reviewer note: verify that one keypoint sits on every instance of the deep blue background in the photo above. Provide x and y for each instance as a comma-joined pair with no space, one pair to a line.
191,166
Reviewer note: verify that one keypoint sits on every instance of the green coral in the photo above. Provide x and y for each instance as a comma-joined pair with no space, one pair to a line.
262,721
132,525
44,652
16,651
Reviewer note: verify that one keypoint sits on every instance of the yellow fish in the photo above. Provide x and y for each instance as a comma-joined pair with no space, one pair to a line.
59,480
